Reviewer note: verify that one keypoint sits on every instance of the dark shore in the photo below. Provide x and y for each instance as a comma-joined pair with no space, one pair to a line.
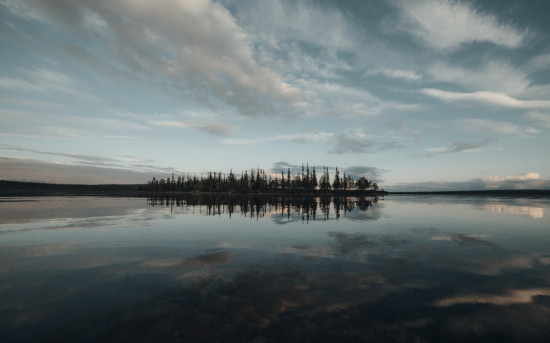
18,188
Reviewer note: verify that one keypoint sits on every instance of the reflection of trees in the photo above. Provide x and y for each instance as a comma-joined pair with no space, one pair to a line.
259,206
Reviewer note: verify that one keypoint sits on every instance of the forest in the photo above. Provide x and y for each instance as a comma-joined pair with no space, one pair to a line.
258,181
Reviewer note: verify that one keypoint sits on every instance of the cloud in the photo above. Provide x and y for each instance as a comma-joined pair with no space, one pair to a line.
347,141
214,128
352,141
355,141
194,48
540,119
522,177
492,98
303,21
540,62
79,157
371,173
43,81
407,75
495,76
447,25
501,127
26,169
531,180
460,146
307,137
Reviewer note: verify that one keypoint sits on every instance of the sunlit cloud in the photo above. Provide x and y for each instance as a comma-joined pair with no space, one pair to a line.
522,177
491,98
210,62
447,25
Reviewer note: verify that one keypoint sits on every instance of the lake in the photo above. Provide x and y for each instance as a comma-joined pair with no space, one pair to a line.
219,268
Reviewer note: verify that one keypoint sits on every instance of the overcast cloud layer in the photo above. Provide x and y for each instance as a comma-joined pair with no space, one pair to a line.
411,94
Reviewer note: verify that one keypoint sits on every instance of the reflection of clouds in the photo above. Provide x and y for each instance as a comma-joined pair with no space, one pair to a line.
522,296
26,250
466,240
356,243
205,260
60,208
497,267
349,243
533,212
50,249
308,251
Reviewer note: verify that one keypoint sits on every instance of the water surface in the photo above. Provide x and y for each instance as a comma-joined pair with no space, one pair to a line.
426,269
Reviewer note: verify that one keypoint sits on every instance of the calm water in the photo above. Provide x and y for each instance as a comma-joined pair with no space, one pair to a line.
91,269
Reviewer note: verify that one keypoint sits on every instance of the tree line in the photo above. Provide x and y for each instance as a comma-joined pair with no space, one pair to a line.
258,181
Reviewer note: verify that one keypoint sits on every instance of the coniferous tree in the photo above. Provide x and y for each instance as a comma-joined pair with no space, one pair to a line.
313,180
336,184
288,180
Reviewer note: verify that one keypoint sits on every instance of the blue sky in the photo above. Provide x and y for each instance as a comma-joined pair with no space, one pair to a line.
413,94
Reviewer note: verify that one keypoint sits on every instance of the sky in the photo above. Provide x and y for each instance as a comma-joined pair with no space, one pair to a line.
414,95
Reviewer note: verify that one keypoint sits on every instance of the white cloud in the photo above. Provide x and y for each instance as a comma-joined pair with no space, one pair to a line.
302,21
408,75
492,98
541,119
193,47
494,76
446,25
501,127
540,62
43,81
522,177
307,137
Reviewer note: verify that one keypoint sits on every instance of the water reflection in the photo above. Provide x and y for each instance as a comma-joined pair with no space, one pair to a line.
197,268
305,207
533,212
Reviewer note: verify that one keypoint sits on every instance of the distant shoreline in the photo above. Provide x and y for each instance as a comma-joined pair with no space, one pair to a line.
20,188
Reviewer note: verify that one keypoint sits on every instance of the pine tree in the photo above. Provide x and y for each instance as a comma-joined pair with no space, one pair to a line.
336,184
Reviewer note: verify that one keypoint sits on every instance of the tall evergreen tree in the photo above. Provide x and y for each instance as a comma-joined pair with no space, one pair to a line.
337,184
